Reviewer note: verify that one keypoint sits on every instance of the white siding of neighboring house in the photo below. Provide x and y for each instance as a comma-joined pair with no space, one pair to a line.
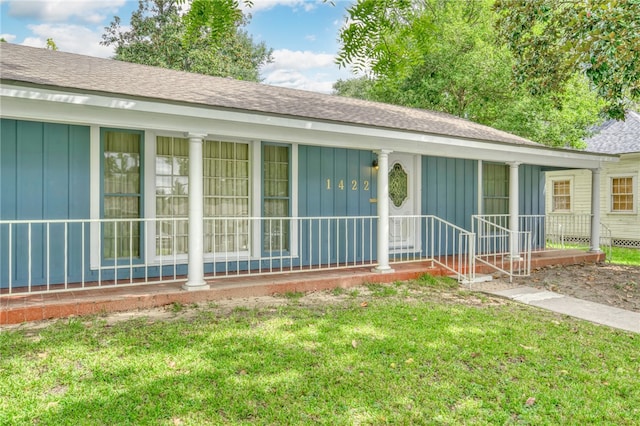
624,226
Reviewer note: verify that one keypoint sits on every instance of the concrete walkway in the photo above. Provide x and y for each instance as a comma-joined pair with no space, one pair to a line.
578,308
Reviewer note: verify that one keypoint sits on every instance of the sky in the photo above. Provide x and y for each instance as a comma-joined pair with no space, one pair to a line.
302,33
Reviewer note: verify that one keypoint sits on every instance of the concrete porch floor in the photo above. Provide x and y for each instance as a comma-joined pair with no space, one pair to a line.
19,308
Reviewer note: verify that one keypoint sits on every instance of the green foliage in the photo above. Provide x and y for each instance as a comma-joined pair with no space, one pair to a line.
51,45
294,295
160,36
446,56
552,40
354,88
218,19
625,256
437,281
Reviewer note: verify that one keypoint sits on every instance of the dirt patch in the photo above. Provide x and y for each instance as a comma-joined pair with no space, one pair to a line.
614,285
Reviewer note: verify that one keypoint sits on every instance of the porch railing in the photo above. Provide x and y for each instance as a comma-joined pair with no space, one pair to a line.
427,237
287,244
39,256
500,248
558,230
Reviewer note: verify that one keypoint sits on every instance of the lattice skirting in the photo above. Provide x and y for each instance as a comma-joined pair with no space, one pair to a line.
617,242
583,239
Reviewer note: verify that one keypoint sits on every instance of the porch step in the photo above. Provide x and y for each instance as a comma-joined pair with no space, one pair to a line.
479,278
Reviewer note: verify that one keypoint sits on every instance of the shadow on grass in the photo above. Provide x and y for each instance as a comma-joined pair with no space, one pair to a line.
387,363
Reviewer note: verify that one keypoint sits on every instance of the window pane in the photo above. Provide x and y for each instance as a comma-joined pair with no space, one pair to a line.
561,196
121,193
276,197
226,189
172,188
495,184
622,194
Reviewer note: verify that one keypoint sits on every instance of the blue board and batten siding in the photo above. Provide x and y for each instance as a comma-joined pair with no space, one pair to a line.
336,182
450,189
532,201
531,190
44,174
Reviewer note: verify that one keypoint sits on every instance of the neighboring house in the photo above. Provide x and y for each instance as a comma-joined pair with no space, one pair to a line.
569,191
112,171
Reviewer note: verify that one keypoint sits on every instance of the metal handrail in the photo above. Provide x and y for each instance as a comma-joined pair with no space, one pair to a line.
500,248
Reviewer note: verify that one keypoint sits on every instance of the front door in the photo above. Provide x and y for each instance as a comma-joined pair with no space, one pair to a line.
404,202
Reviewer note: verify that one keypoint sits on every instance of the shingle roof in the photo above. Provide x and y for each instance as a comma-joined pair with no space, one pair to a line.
617,137
21,64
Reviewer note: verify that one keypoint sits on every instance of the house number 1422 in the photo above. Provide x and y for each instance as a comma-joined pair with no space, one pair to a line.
354,185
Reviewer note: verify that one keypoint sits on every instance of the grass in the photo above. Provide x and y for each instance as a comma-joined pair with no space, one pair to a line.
625,256
440,356
618,255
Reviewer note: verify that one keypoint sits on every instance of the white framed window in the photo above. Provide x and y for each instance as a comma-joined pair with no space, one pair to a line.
227,179
172,195
495,188
226,197
276,161
622,194
121,192
562,195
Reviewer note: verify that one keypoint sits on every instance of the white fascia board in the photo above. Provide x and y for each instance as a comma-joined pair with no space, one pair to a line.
32,103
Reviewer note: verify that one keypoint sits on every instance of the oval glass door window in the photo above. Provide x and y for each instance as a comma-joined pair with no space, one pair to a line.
398,183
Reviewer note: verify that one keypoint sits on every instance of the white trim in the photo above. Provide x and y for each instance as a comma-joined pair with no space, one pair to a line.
94,196
571,195
595,211
480,188
294,199
255,176
514,205
634,193
149,194
48,105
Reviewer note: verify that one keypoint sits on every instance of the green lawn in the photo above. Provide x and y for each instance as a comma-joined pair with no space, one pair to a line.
618,255
422,352
625,256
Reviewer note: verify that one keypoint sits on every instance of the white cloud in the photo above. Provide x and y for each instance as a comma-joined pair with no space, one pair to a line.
90,11
69,38
303,70
296,80
299,60
8,37
310,38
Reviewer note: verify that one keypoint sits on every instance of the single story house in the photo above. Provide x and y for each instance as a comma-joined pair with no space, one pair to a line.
569,191
113,172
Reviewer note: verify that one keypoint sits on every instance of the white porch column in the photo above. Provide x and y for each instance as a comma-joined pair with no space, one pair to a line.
514,203
595,211
383,212
195,278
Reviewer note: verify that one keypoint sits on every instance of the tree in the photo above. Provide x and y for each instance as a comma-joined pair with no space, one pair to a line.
445,56
553,40
51,45
360,88
159,35
221,17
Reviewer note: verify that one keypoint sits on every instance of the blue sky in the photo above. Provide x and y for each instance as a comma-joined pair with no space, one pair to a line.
302,33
